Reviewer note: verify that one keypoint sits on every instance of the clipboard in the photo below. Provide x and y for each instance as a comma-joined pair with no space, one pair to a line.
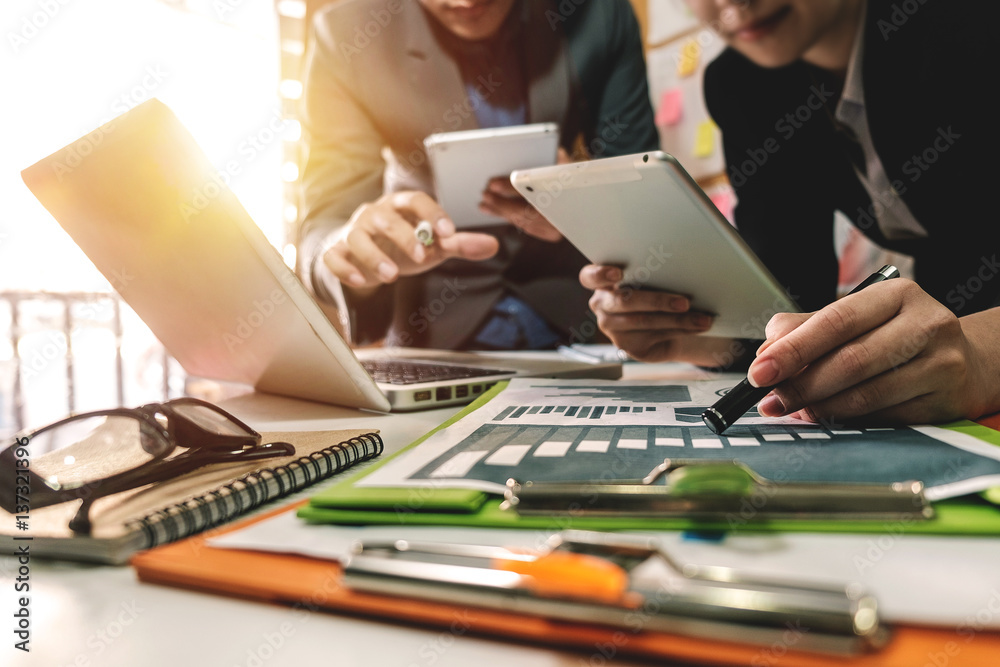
597,578
347,503
318,585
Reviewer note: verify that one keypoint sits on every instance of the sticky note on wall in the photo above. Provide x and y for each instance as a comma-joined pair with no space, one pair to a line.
704,139
687,58
671,107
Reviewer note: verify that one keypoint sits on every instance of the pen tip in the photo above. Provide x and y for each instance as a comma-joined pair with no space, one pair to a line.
713,421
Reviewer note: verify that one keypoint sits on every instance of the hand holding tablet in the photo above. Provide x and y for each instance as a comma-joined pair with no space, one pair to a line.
473,166
407,233
645,214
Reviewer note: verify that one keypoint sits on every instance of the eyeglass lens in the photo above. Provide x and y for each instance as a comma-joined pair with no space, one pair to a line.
92,448
208,419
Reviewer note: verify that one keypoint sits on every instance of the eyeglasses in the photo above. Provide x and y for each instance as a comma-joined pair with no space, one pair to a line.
96,454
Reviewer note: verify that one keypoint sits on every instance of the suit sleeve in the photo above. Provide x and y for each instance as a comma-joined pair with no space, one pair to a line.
607,52
342,166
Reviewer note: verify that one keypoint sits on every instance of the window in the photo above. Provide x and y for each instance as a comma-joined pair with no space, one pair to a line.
68,67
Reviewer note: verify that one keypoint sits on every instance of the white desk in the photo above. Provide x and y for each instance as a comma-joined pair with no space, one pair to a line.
85,615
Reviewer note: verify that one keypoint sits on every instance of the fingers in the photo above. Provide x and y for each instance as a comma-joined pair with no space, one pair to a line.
502,186
343,269
647,325
366,254
418,206
469,245
889,353
827,329
502,200
597,276
885,393
374,242
378,243
624,300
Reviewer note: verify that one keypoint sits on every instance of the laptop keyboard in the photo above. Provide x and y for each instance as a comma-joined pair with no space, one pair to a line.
398,371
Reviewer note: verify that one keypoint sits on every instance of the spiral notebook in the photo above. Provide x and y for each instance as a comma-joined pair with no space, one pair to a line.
142,518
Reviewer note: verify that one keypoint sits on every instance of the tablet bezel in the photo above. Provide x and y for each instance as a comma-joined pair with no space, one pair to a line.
676,239
463,162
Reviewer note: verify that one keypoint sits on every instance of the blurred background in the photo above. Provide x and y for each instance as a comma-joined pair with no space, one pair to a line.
67,66
229,70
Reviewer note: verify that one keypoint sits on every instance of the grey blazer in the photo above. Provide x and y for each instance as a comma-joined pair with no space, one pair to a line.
377,82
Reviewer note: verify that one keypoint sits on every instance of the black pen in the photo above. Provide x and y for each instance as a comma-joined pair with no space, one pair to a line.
744,396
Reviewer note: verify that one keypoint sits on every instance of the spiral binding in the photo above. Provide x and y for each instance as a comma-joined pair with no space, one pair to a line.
196,514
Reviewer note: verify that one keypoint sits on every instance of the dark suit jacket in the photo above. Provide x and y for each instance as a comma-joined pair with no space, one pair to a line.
927,85
379,79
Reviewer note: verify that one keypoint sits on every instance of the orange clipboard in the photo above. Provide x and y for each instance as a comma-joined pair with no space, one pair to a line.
314,584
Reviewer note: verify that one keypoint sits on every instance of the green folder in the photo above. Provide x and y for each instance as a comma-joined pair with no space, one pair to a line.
347,503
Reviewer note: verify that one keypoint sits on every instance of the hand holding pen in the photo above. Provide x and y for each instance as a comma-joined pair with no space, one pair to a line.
400,234
746,394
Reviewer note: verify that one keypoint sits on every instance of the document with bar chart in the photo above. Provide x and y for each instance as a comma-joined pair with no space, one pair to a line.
575,430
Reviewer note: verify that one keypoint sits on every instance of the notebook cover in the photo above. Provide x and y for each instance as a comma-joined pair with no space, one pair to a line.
312,584
345,503
113,540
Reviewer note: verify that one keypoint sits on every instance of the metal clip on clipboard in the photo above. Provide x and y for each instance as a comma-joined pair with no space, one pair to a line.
626,582
717,491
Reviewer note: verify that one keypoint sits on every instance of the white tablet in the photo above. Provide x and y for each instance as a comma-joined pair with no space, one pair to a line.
464,162
645,214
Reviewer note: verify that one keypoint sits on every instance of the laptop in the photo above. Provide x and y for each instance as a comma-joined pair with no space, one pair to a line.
144,203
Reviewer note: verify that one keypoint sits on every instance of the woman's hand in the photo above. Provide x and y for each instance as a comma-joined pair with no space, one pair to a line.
378,244
502,200
648,325
890,353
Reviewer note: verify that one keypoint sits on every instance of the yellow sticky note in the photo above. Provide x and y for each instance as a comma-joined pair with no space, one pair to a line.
704,139
687,59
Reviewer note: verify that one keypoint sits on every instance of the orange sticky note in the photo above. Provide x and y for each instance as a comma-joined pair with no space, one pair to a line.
687,59
704,139
671,107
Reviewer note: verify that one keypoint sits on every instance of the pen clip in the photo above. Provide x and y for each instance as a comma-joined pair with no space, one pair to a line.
718,490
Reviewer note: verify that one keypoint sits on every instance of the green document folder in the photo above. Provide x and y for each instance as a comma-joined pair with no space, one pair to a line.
347,503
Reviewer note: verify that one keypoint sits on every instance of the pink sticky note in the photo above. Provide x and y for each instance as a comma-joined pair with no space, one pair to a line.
724,201
671,107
